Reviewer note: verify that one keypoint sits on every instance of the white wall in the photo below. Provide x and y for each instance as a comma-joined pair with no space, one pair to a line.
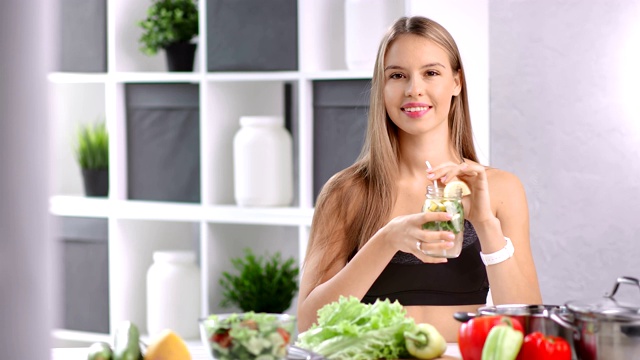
27,304
565,79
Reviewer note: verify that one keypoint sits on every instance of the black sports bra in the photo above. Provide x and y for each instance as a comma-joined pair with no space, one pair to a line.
459,281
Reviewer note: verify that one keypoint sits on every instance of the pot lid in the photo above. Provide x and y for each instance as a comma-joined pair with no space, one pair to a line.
608,307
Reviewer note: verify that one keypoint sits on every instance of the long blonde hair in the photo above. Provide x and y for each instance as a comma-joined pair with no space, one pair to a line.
357,201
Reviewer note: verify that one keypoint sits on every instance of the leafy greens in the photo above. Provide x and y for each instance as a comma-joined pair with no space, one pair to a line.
349,329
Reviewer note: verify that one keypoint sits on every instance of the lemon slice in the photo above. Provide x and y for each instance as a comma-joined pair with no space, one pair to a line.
451,190
457,223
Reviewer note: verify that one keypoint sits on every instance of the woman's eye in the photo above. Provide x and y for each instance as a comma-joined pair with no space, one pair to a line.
396,76
431,73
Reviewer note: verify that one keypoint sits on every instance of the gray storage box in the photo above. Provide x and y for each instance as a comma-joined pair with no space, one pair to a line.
252,35
85,273
339,125
83,36
163,142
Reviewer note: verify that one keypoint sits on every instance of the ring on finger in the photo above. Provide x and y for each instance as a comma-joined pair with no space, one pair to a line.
419,246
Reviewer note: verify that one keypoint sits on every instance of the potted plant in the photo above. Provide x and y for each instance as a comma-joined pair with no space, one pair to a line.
171,25
262,285
92,154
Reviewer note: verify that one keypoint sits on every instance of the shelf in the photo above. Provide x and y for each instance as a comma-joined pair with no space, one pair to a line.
231,214
194,77
155,210
77,78
125,77
211,222
157,77
80,206
338,75
289,75
253,76
124,209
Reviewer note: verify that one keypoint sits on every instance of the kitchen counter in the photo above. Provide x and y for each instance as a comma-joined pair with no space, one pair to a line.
198,352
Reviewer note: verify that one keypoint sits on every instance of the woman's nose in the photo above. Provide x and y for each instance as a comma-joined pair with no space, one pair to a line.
415,87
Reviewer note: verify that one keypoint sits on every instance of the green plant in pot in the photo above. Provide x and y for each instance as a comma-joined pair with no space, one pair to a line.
261,285
92,154
171,25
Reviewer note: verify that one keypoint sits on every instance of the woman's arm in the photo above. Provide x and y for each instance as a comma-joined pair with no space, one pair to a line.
352,278
498,208
513,281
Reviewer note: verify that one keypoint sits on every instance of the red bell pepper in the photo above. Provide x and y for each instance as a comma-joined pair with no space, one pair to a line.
539,346
473,333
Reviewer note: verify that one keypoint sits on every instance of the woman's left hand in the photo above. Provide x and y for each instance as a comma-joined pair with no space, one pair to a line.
475,176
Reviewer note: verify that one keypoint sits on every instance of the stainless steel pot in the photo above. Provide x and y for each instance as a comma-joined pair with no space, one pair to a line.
606,328
533,318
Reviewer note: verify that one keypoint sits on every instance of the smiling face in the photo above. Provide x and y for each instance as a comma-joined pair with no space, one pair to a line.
419,84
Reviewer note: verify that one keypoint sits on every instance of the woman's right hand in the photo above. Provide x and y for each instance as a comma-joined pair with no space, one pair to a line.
408,236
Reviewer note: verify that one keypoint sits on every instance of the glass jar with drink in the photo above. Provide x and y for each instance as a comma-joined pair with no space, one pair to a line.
448,200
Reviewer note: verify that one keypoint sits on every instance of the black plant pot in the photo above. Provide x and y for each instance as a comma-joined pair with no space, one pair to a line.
180,56
96,182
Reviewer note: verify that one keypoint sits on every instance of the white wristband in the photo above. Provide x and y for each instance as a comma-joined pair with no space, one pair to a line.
499,256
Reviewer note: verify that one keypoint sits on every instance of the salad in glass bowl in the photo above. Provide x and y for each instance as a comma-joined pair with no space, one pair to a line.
247,336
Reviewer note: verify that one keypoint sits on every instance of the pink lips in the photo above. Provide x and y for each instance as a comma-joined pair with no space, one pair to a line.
415,110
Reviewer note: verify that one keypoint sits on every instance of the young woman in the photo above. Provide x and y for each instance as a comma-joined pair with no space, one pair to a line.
367,238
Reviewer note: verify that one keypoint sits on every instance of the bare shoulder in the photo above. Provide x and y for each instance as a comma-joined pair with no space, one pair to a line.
502,178
505,188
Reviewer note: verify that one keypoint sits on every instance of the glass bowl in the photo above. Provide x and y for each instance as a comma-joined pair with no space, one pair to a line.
247,335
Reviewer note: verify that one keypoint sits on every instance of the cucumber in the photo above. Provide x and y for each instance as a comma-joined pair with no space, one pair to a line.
100,351
126,342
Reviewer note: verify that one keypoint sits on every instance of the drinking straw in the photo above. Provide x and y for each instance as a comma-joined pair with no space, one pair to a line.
435,182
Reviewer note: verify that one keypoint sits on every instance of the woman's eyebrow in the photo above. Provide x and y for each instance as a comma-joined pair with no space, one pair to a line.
397,67
393,67
434,64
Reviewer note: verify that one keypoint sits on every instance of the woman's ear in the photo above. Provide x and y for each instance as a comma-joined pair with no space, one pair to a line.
456,79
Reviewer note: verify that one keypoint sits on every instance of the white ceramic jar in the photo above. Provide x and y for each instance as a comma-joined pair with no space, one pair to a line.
173,294
263,162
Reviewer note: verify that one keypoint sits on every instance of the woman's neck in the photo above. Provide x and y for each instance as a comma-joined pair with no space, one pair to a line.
415,150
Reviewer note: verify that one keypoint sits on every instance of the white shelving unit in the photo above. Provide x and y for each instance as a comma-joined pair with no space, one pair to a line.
216,226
